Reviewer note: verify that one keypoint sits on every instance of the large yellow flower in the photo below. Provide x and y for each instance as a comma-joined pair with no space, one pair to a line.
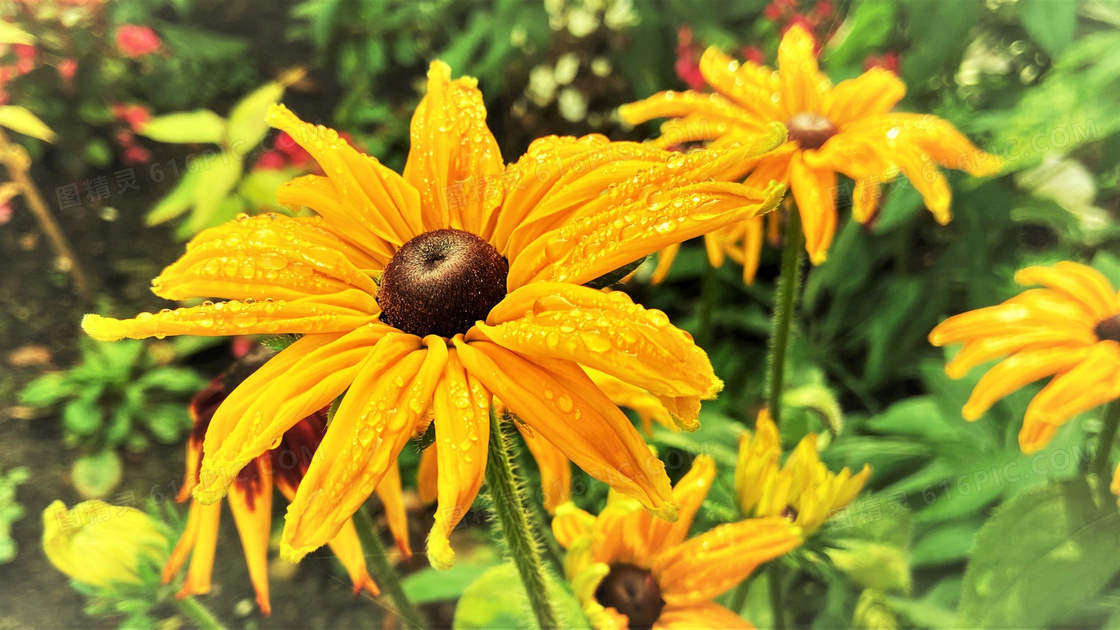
435,291
803,490
1070,330
848,129
630,571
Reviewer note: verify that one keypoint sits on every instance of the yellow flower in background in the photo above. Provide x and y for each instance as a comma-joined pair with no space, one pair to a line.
1070,329
803,490
848,128
100,544
629,570
428,294
250,498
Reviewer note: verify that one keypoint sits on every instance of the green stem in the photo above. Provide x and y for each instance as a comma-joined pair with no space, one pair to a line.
1106,437
789,284
509,506
708,291
199,614
383,573
739,596
777,609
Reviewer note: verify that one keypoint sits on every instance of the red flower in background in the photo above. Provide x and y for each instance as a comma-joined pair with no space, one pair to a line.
26,57
136,41
889,60
688,60
67,68
134,114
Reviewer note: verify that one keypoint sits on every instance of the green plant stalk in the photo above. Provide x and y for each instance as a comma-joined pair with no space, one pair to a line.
383,573
708,290
777,609
789,284
509,506
1106,437
199,614
739,596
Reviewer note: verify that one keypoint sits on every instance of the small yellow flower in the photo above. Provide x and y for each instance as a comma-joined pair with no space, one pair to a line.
629,570
100,544
848,129
804,490
1069,330
426,294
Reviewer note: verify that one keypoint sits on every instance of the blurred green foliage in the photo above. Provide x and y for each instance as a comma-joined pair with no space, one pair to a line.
10,509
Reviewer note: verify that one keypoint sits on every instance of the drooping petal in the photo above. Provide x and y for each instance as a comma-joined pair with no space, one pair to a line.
555,469
874,92
250,501
815,193
563,406
392,499
700,616
451,145
370,197
427,476
335,312
984,349
648,407
186,543
936,139
1012,317
606,332
1079,282
386,401
689,493
750,85
205,536
1093,381
715,107
802,84
665,258
865,199
299,381
1017,371
462,417
267,256
712,563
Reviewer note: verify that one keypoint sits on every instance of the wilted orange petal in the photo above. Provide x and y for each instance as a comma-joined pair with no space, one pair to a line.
250,501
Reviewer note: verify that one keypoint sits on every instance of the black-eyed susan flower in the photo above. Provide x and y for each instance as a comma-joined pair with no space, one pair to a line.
1069,329
631,571
803,490
100,544
848,129
250,499
433,291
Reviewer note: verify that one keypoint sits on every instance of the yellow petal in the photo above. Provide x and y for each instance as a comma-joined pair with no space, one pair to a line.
571,523
427,476
1015,316
385,402
985,349
815,193
1093,381
606,332
803,86
757,462
299,381
665,259
712,563
250,501
336,312
562,405
321,195
390,493
1018,371
865,199
874,92
347,547
689,493
205,544
186,542
555,469
648,407
1079,282
371,199
462,417
700,616
675,104
750,85
454,161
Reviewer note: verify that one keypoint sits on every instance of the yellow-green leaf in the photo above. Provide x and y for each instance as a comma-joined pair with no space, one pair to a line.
215,183
21,120
12,34
201,125
176,202
247,124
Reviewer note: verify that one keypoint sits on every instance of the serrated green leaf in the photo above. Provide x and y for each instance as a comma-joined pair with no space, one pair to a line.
21,120
1040,556
199,126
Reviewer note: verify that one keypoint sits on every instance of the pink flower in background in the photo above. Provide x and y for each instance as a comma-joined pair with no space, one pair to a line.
26,57
753,54
136,41
67,68
271,161
136,154
889,60
134,114
5,212
688,60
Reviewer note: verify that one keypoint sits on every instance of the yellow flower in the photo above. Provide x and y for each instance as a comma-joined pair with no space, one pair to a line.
628,570
250,500
428,294
804,490
100,544
1069,330
848,129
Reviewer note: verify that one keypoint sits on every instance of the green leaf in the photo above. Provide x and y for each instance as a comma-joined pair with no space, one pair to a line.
215,182
83,415
168,422
95,476
175,379
429,585
947,544
1049,22
498,600
612,277
259,187
201,125
1040,556
866,30
46,390
21,120
12,34
176,202
1108,264
247,124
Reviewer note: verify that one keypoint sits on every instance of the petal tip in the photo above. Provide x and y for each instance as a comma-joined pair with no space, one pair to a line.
440,554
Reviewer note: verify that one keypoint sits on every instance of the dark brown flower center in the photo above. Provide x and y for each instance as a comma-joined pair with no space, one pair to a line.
1109,329
441,283
633,592
810,130
790,513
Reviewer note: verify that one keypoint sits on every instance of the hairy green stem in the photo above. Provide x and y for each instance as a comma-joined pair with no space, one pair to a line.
513,517
774,574
199,614
383,573
789,284
1106,437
